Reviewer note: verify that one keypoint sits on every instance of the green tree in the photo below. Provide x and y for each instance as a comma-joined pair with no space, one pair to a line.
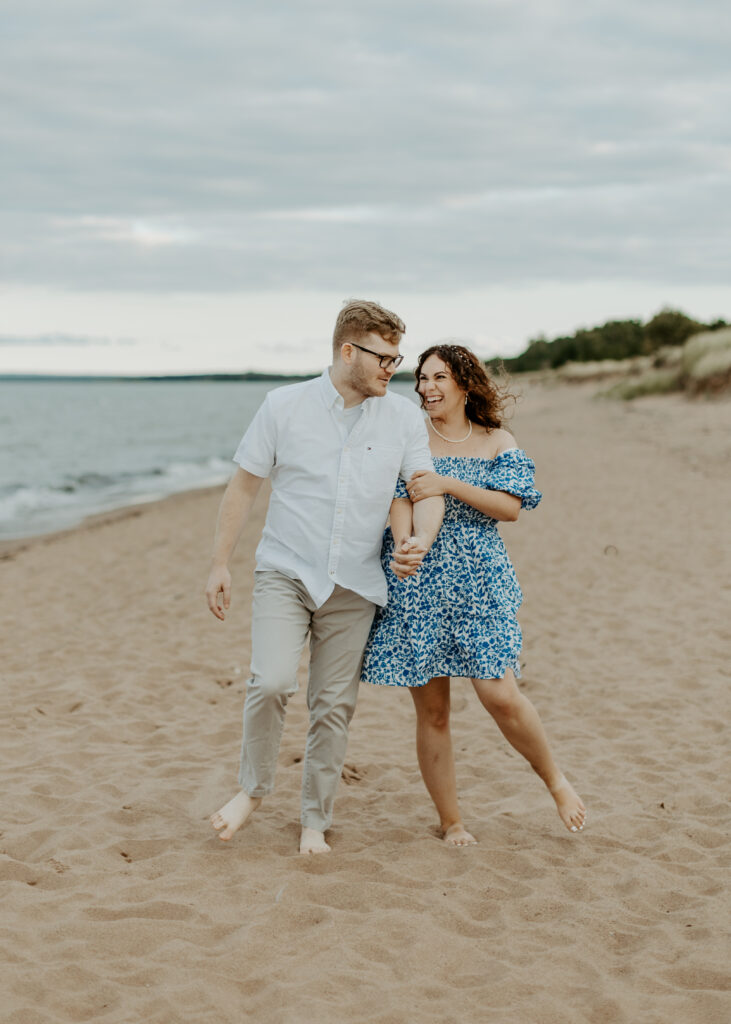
616,339
669,327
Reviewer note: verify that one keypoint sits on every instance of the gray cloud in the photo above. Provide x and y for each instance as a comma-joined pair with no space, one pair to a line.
351,146
75,340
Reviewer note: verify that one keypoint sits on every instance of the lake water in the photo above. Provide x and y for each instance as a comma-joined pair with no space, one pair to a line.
69,449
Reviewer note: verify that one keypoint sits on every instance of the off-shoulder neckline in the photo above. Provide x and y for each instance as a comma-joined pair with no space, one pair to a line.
479,458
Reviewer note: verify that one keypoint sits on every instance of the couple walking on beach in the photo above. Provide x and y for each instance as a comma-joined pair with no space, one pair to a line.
434,596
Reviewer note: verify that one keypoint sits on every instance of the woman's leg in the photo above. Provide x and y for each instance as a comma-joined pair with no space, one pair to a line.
436,760
519,723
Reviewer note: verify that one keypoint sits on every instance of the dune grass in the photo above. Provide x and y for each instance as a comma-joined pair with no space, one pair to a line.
701,366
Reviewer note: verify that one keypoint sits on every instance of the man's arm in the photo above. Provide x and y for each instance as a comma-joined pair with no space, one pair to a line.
428,515
401,520
409,554
402,529
235,507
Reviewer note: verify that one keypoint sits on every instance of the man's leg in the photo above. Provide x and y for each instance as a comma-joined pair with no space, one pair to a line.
339,633
280,621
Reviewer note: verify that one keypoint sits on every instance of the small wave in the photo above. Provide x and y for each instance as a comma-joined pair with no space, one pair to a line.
27,510
23,500
93,480
176,470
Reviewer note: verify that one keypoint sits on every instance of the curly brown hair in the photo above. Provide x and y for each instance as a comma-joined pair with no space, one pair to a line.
485,399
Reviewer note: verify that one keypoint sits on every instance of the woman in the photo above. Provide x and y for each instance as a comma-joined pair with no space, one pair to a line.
457,616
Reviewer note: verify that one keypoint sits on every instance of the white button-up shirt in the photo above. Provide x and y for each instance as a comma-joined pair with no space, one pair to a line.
331,486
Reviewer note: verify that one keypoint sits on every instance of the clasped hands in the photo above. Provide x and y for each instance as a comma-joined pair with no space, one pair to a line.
408,555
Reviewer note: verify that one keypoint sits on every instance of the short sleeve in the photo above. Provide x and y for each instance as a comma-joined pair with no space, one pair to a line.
256,452
416,451
512,471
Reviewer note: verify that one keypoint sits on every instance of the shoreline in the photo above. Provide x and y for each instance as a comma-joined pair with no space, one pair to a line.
94,520
530,383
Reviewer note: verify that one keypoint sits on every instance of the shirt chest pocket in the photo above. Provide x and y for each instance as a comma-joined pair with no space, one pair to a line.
380,464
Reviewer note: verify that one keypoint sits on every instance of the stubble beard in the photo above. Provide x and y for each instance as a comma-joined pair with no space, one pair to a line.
361,384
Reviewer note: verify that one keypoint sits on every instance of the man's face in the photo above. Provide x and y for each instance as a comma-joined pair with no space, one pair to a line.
366,375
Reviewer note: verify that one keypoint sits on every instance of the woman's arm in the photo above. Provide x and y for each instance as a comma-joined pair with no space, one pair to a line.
497,504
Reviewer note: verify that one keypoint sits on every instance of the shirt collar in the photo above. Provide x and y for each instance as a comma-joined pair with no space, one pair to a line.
331,394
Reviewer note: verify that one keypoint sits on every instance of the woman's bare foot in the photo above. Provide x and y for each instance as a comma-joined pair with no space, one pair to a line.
569,805
234,814
312,841
457,835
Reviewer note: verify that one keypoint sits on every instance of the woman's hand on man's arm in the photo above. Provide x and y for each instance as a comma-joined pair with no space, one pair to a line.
426,484
499,505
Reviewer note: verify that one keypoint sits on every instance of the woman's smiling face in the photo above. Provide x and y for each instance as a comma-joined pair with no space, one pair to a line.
440,394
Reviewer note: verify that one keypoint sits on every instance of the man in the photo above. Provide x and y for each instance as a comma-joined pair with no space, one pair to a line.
334,448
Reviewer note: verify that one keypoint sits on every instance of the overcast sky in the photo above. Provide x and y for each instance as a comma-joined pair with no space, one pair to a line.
198,186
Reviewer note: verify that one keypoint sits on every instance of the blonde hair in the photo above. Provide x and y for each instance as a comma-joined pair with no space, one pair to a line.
359,317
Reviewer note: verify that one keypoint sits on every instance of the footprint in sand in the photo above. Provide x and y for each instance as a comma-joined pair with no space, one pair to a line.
350,774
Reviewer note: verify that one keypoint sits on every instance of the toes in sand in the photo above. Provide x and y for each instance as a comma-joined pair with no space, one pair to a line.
457,835
229,819
569,805
312,841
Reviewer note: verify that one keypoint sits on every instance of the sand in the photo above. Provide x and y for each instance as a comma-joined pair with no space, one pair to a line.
121,708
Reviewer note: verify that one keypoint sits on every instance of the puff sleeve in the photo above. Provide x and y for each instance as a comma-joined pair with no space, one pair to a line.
512,471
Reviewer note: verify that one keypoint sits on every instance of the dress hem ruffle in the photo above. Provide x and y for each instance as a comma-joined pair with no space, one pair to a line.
510,663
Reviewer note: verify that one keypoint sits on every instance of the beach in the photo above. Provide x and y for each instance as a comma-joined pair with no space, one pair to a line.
121,723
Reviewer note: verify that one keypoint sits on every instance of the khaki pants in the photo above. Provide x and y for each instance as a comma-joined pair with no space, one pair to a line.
282,617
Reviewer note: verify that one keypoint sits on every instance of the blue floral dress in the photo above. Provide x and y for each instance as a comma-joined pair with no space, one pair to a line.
457,616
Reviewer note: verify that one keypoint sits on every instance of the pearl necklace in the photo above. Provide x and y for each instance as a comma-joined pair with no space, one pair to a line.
452,440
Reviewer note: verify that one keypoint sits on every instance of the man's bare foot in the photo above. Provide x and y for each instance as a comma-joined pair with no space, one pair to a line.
457,835
569,805
234,814
312,841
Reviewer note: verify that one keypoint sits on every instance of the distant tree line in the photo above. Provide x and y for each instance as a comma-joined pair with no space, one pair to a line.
616,339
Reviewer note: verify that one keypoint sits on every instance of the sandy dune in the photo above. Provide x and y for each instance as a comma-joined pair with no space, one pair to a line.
121,706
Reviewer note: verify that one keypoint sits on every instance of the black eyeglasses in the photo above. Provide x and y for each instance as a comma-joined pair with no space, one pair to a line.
385,362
